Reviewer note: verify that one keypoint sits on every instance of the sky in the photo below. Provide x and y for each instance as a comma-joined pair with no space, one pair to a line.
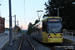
25,12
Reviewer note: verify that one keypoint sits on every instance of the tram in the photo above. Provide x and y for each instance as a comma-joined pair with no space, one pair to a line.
48,30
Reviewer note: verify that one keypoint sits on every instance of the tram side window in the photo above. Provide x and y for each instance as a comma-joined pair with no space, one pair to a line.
33,29
44,27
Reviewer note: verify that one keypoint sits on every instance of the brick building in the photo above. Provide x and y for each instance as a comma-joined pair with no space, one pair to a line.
2,25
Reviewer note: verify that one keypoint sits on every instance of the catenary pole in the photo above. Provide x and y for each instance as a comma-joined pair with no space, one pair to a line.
10,24
58,11
15,21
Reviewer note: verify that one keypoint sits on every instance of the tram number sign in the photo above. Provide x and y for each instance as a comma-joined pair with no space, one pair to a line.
50,20
53,20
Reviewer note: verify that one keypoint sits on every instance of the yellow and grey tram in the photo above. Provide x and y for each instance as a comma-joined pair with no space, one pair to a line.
49,30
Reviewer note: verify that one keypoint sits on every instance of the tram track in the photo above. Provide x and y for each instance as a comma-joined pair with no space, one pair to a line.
52,46
21,43
25,44
45,44
30,43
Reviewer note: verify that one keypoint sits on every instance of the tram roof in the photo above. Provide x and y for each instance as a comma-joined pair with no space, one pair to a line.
37,24
45,18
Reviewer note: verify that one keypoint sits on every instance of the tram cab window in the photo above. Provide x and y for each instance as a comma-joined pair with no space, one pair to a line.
44,26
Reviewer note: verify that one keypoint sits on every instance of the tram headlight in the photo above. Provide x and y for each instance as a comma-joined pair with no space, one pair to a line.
49,36
60,35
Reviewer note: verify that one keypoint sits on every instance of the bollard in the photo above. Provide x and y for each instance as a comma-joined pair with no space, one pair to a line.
72,34
65,33
69,32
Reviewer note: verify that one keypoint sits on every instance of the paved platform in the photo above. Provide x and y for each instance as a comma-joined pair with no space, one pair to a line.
2,34
5,39
14,46
69,39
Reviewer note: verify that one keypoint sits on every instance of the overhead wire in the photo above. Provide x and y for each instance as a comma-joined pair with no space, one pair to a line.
24,12
43,11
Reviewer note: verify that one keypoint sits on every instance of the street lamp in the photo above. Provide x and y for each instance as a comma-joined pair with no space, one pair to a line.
39,16
73,2
58,10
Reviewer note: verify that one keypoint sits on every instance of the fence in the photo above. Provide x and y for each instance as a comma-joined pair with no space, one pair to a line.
70,33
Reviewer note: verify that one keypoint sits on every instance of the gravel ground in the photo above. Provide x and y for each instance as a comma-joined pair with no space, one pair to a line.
37,45
14,46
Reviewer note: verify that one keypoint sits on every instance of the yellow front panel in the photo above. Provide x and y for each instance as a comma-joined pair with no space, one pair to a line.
54,38
44,37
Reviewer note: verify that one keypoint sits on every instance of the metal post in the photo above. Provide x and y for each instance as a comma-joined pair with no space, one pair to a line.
58,11
68,32
0,10
18,23
65,32
72,34
15,22
10,23
15,25
49,8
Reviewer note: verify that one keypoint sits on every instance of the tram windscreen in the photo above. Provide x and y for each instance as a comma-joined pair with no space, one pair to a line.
54,27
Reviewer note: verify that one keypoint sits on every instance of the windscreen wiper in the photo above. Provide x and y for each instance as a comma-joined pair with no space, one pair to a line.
51,31
59,30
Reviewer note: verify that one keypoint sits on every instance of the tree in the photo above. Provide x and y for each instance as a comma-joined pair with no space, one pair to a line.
66,11
36,21
30,26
